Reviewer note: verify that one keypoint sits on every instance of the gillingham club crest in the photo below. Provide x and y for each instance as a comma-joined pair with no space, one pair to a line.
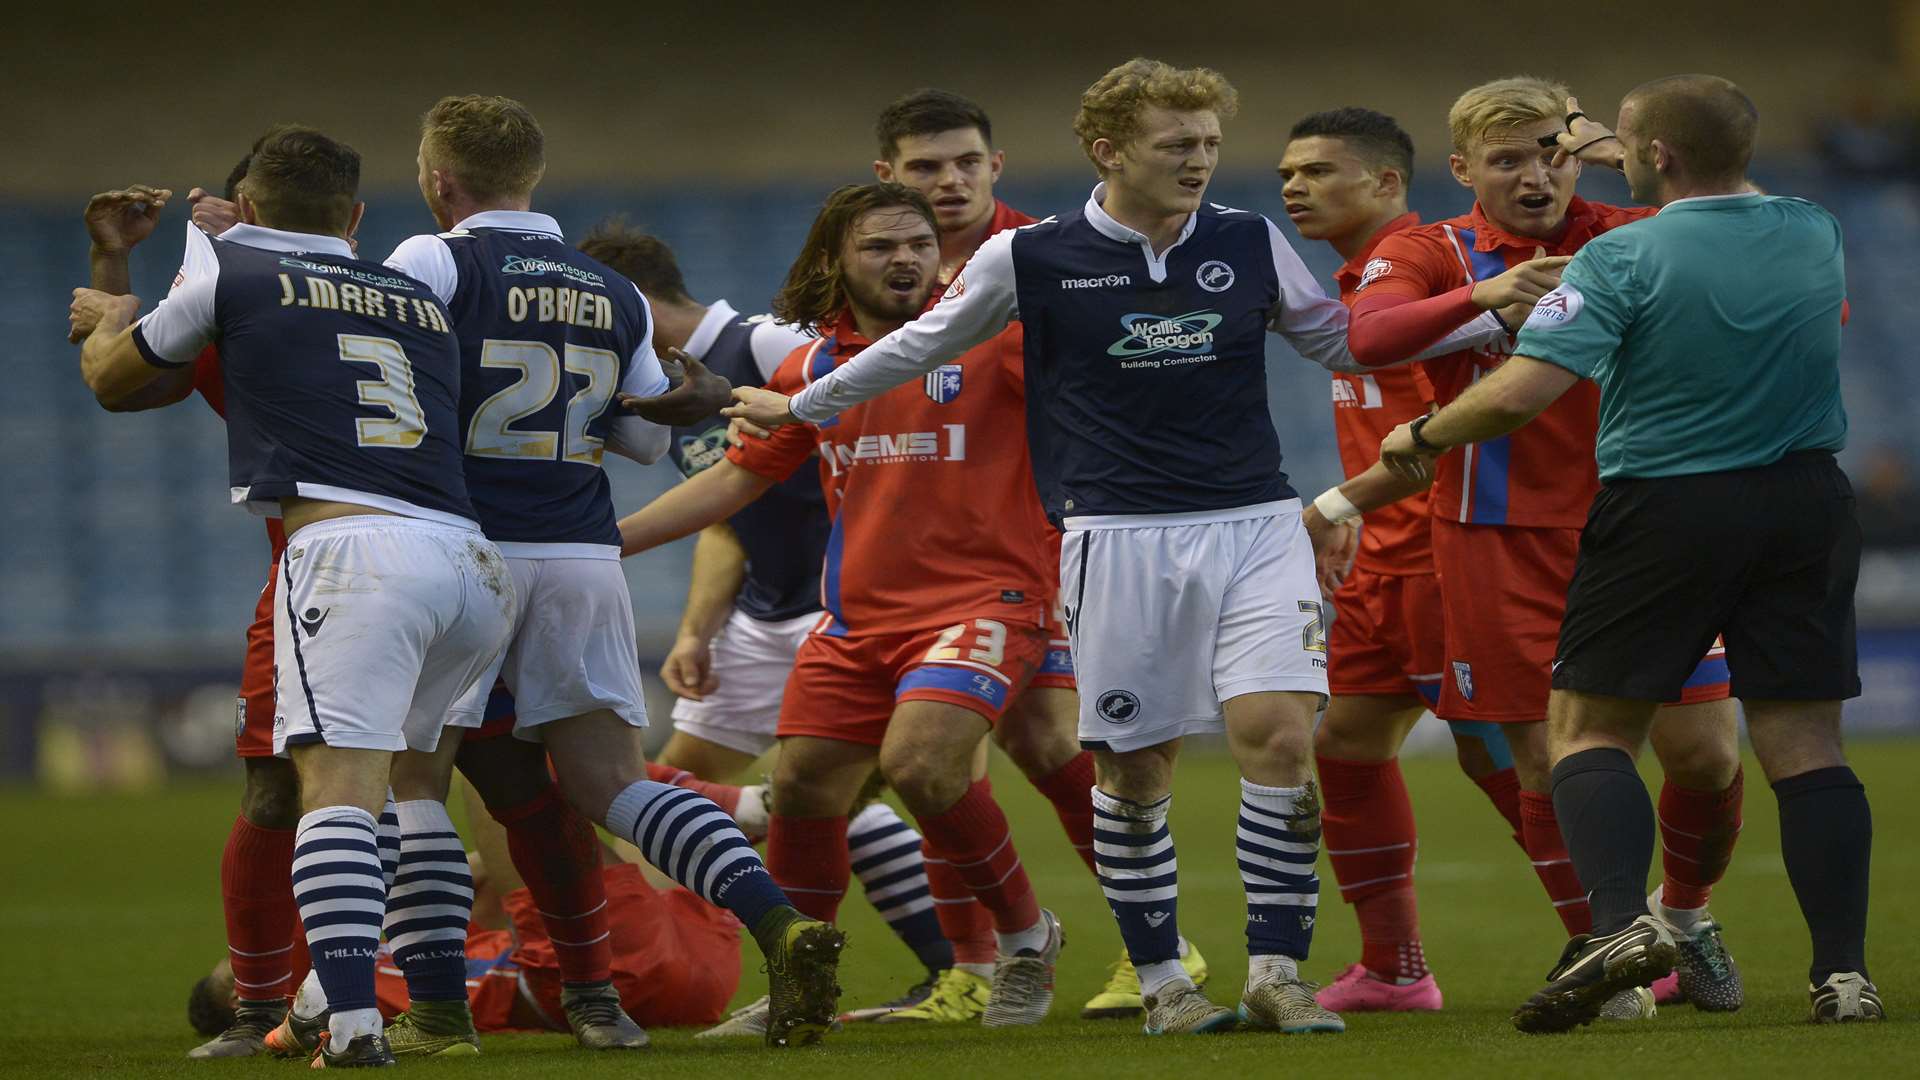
1463,678
943,383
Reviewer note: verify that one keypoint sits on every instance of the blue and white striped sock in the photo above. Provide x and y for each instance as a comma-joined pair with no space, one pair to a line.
886,858
694,842
1277,843
387,834
336,883
430,903
1133,850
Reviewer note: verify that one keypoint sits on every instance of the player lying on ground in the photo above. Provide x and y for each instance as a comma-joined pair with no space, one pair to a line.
930,631
676,957
1713,331
1506,516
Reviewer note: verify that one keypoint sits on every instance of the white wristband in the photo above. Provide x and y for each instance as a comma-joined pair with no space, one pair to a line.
1335,506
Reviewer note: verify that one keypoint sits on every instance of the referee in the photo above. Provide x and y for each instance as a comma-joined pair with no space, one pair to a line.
1713,329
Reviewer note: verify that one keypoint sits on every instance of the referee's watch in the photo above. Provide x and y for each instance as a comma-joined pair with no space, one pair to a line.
1419,440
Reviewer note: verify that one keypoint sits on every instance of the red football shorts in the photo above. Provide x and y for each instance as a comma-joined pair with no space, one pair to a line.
846,688
253,733
497,722
1388,636
1056,670
1505,591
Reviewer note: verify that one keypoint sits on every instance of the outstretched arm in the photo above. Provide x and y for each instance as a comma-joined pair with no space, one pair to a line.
978,305
714,495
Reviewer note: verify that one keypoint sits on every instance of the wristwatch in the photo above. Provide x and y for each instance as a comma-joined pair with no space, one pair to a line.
1419,440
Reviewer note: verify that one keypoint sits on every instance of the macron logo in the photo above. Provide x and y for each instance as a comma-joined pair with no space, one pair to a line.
1095,282
1155,918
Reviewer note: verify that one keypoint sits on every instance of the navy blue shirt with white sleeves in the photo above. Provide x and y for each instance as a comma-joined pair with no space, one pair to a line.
784,531
547,337
342,377
1146,372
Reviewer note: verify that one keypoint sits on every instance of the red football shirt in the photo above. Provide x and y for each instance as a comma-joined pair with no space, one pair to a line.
1542,475
1394,539
935,514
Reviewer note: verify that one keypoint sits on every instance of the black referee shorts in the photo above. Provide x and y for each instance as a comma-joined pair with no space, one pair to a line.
1766,557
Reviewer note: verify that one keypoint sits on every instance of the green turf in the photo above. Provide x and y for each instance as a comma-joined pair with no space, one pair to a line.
109,908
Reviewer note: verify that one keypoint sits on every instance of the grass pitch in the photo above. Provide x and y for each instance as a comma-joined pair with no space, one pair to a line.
109,907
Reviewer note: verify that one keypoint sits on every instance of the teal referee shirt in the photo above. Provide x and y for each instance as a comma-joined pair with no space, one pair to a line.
1713,329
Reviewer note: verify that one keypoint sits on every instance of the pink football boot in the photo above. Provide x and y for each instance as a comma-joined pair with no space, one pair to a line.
1359,990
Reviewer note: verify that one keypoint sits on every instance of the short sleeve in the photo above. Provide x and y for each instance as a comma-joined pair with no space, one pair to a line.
771,343
1579,325
427,259
645,377
1409,265
173,333
198,260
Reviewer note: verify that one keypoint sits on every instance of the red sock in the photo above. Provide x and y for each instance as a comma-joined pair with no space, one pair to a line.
963,921
1540,831
726,796
1070,789
808,858
557,854
1503,787
256,891
972,835
1697,833
1367,821
300,961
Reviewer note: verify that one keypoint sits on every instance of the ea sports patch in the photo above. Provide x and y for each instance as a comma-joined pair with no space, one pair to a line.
1557,309
1375,270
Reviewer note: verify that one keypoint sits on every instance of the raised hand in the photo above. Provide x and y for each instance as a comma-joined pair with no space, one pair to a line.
1522,284
117,220
699,395
212,213
1586,139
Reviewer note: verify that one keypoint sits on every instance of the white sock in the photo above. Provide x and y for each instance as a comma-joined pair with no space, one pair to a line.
984,971
346,1026
1184,948
1683,920
1271,966
1033,937
1156,976
311,1000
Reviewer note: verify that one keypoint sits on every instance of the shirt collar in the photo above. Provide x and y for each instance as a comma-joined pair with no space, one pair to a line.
1356,266
1728,201
1106,226
523,220
1581,217
719,314
259,236
846,336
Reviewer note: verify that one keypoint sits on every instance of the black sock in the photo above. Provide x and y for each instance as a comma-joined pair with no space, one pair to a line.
1606,817
1826,840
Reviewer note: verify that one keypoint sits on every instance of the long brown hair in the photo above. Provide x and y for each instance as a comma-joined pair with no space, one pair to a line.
815,292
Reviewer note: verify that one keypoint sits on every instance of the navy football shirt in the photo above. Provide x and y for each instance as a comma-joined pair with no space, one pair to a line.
342,377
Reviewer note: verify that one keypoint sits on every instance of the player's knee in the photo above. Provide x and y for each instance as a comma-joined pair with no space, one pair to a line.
927,784
271,797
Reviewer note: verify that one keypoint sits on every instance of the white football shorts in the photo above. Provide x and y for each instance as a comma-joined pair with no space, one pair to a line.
573,650
752,659
380,624
1172,614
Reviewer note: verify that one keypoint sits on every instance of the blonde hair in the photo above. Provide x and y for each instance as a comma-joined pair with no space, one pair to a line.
1110,109
493,145
1503,103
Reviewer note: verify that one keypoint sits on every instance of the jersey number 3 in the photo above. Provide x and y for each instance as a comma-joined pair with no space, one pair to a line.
491,433
392,391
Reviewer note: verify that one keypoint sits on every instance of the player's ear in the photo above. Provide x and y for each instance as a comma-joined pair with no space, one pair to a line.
1106,155
1458,165
883,171
249,212
995,163
1390,183
353,220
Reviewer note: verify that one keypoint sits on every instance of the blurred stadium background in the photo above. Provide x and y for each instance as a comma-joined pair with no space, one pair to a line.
126,580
